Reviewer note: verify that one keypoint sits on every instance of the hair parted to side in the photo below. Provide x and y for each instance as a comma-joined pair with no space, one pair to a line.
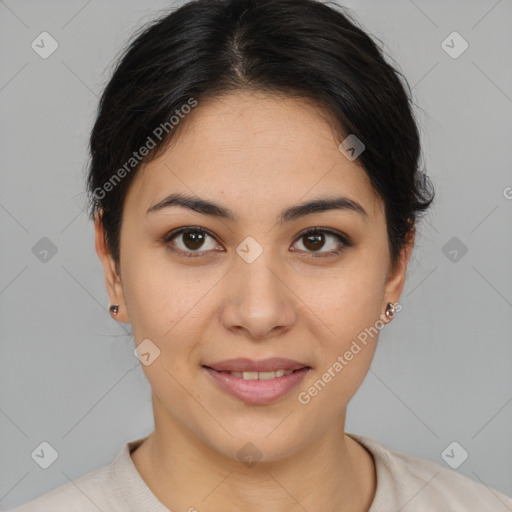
299,48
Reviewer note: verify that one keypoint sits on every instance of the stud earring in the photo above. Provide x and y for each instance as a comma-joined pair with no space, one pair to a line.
390,310
114,309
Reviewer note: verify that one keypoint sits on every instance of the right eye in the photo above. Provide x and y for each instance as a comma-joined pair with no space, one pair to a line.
190,239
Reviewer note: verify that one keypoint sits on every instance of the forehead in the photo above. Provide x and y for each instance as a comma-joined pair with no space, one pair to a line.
262,149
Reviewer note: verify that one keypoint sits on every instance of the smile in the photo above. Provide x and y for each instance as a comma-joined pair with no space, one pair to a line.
257,388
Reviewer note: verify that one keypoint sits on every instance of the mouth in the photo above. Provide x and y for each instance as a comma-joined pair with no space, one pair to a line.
256,382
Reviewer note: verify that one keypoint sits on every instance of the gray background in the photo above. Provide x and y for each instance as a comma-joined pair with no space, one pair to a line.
442,372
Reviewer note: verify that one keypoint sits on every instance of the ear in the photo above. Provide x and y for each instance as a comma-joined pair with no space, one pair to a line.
112,277
396,276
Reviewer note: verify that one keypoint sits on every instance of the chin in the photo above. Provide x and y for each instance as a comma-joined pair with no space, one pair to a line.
257,445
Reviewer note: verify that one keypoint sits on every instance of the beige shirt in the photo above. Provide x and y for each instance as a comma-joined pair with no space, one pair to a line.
404,483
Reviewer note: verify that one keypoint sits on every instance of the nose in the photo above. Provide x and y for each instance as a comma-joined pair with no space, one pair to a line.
258,301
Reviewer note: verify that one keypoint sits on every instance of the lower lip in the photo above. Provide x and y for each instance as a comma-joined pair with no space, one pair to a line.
258,391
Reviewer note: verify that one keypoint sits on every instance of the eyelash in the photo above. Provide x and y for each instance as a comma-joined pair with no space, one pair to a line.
345,241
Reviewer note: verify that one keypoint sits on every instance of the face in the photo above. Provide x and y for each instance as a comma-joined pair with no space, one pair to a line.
253,282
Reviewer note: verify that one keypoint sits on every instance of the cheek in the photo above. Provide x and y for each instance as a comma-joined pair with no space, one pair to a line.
165,306
346,347
163,298
348,306
345,302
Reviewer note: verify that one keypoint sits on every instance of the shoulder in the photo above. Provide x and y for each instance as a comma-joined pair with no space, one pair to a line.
88,493
416,484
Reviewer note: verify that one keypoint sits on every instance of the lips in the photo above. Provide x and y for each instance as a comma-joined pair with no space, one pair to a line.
256,390
257,382
250,365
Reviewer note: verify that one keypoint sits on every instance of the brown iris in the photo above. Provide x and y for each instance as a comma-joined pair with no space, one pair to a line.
314,242
194,238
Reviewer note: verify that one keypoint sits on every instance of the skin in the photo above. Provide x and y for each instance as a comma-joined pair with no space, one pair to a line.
254,154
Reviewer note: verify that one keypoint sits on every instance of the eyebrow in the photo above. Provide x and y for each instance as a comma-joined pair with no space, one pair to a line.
206,207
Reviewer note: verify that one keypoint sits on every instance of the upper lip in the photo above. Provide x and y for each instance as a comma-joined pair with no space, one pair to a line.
243,364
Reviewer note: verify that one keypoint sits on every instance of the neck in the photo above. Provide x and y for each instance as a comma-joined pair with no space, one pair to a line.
331,474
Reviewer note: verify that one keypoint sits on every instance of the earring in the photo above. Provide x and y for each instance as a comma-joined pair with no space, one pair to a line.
114,309
390,310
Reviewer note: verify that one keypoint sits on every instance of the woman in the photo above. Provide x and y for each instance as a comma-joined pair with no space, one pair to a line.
255,191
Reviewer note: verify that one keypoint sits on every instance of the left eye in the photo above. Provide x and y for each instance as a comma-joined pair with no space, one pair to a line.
315,239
